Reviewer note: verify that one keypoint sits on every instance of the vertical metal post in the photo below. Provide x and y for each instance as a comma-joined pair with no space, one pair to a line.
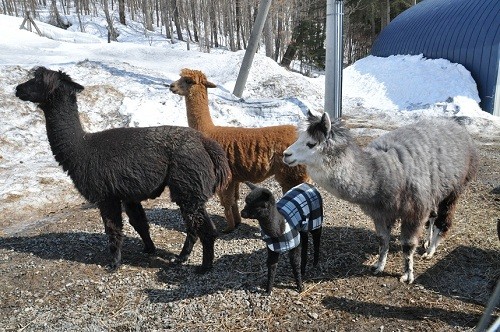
253,43
334,58
496,101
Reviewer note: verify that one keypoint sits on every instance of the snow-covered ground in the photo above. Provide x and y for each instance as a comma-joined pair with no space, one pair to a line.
125,85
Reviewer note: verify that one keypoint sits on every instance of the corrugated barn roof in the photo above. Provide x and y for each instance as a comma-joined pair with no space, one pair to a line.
462,31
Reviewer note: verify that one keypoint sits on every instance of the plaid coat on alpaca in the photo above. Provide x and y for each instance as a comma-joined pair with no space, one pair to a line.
302,208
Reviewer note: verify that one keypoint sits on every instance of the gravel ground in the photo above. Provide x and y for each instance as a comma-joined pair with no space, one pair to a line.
53,275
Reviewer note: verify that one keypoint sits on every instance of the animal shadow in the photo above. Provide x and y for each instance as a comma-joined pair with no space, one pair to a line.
171,219
409,313
248,271
462,274
466,273
83,247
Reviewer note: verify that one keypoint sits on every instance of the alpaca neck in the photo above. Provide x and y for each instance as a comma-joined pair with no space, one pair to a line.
352,174
275,225
198,113
64,130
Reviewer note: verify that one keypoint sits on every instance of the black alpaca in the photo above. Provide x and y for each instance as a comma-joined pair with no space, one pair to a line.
128,165
285,226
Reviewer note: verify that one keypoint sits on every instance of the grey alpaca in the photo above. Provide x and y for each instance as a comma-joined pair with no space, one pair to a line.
128,165
410,174
285,226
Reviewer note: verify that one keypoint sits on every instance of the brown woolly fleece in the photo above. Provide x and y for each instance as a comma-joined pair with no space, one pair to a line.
254,154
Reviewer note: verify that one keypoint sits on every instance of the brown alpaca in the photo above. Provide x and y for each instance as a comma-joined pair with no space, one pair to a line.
254,154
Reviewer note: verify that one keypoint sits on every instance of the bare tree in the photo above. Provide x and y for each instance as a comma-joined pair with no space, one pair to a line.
175,12
294,29
146,11
112,34
121,11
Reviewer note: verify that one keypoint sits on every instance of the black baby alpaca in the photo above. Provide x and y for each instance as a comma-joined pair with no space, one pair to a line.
128,165
285,226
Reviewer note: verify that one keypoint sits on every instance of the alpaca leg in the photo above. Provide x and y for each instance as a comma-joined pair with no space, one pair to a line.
234,207
111,214
410,233
207,233
316,235
442,224
430,229
199,224
272,263
408,252
138,220
191,237
304,242
187,247
383,237
434,239
236,214
429,226
295,254
228,201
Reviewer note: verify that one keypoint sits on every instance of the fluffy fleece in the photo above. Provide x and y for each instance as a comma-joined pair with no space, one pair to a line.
128,165
410,174
254,154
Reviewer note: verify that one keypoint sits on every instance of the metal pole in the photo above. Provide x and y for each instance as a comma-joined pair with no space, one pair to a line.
253,43
334,58
496,101
492,303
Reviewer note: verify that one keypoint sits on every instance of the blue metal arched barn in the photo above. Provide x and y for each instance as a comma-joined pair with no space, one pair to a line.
462,31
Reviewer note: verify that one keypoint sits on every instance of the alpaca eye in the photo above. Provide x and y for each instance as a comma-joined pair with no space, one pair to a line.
311,145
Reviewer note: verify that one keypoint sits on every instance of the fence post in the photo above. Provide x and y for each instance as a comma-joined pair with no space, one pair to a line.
334,58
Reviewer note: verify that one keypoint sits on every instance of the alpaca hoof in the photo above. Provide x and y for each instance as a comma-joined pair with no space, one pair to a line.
377,270
426,244
268,288
407,277
149,250
203,269
427,256
181,259
300,289
112,267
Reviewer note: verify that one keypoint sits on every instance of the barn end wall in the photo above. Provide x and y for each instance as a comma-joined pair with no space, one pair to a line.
463,31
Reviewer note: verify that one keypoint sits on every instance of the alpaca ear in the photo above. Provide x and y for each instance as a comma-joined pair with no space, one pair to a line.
76,87
326,124
250,185
310,116
210,85
267,195
69,82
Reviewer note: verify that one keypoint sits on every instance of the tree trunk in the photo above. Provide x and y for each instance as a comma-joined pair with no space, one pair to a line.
146,10
175,11
278,39
238,23
195,22
213,21
298,38
121,11
385,13
112,34
268,36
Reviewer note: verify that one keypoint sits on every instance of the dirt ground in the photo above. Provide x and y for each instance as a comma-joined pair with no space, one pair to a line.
53,275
